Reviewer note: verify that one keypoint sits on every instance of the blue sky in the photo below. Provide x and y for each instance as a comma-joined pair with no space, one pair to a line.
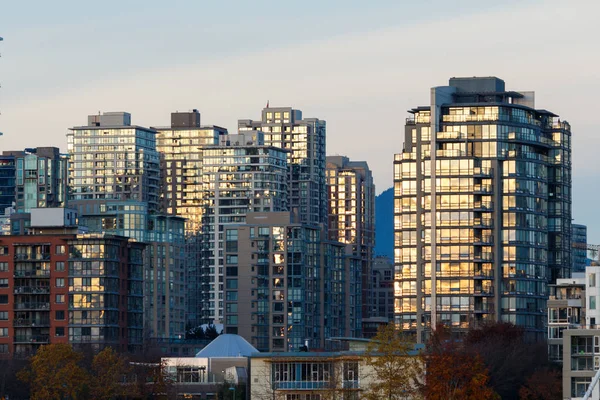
359,65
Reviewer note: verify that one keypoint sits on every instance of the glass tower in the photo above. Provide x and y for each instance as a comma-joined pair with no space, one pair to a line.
482,209
579,240
181,147
285,128
352,214
41,178
112,160
240,175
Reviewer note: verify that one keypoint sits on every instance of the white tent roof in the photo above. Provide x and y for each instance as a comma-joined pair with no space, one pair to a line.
227,345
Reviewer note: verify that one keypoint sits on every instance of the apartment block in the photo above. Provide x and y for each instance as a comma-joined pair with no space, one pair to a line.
40,178
180,146
482,209
304,139
286,286
351,214
58,286
110,159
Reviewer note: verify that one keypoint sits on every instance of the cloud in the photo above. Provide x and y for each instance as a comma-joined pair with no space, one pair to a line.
362,83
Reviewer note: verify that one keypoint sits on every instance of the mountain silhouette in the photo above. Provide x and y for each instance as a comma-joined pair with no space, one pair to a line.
384,223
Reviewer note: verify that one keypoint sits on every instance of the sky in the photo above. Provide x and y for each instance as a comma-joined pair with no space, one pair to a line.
358,65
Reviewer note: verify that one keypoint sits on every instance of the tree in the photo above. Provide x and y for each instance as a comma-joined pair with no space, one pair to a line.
543,384
453,373
509,357
108,369
396,371
10,387
211,332
54,372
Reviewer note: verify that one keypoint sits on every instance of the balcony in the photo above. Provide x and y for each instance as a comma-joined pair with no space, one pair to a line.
483,205
483,291
40,273
32,257
483,257
38,339
483,171
479,188
483,240
31,290
483,222
34,323
32,306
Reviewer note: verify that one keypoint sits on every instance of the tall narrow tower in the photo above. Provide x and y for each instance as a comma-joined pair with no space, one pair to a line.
482,209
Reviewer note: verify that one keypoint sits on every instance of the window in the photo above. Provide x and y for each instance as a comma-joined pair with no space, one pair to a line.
59,315
3,348
3,332
592,280
60,282
3,250
3,315
232,283
592,302
60,249
3,266
60,265
60,298
3,283
231,296
3,299
60,331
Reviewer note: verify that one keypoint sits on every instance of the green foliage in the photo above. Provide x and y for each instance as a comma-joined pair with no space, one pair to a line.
54,372
396,371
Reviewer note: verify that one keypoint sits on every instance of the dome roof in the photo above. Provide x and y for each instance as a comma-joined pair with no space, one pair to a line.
227,345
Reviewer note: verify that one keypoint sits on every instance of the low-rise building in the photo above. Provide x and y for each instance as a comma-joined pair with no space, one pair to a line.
224,362
59,286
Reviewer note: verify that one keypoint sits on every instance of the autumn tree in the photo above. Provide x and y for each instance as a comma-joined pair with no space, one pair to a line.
510,357
452,372
108,369
396,370
54,372
543,384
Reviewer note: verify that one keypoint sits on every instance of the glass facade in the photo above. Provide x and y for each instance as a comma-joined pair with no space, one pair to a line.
112,162
304,139
579,240
351,218
237,180
7,182
181,148
483,188
285,284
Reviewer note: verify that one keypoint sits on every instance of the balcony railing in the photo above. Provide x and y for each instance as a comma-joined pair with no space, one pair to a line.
32,339
31,290
32,306
32,257
20,322
42,273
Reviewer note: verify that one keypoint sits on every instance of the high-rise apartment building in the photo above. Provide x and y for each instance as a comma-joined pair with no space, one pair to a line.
482,208
579,241
181,147
240,175
40,178
7,182
58,286
285,286
112,160
114,180
351,212
304,138
164,263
